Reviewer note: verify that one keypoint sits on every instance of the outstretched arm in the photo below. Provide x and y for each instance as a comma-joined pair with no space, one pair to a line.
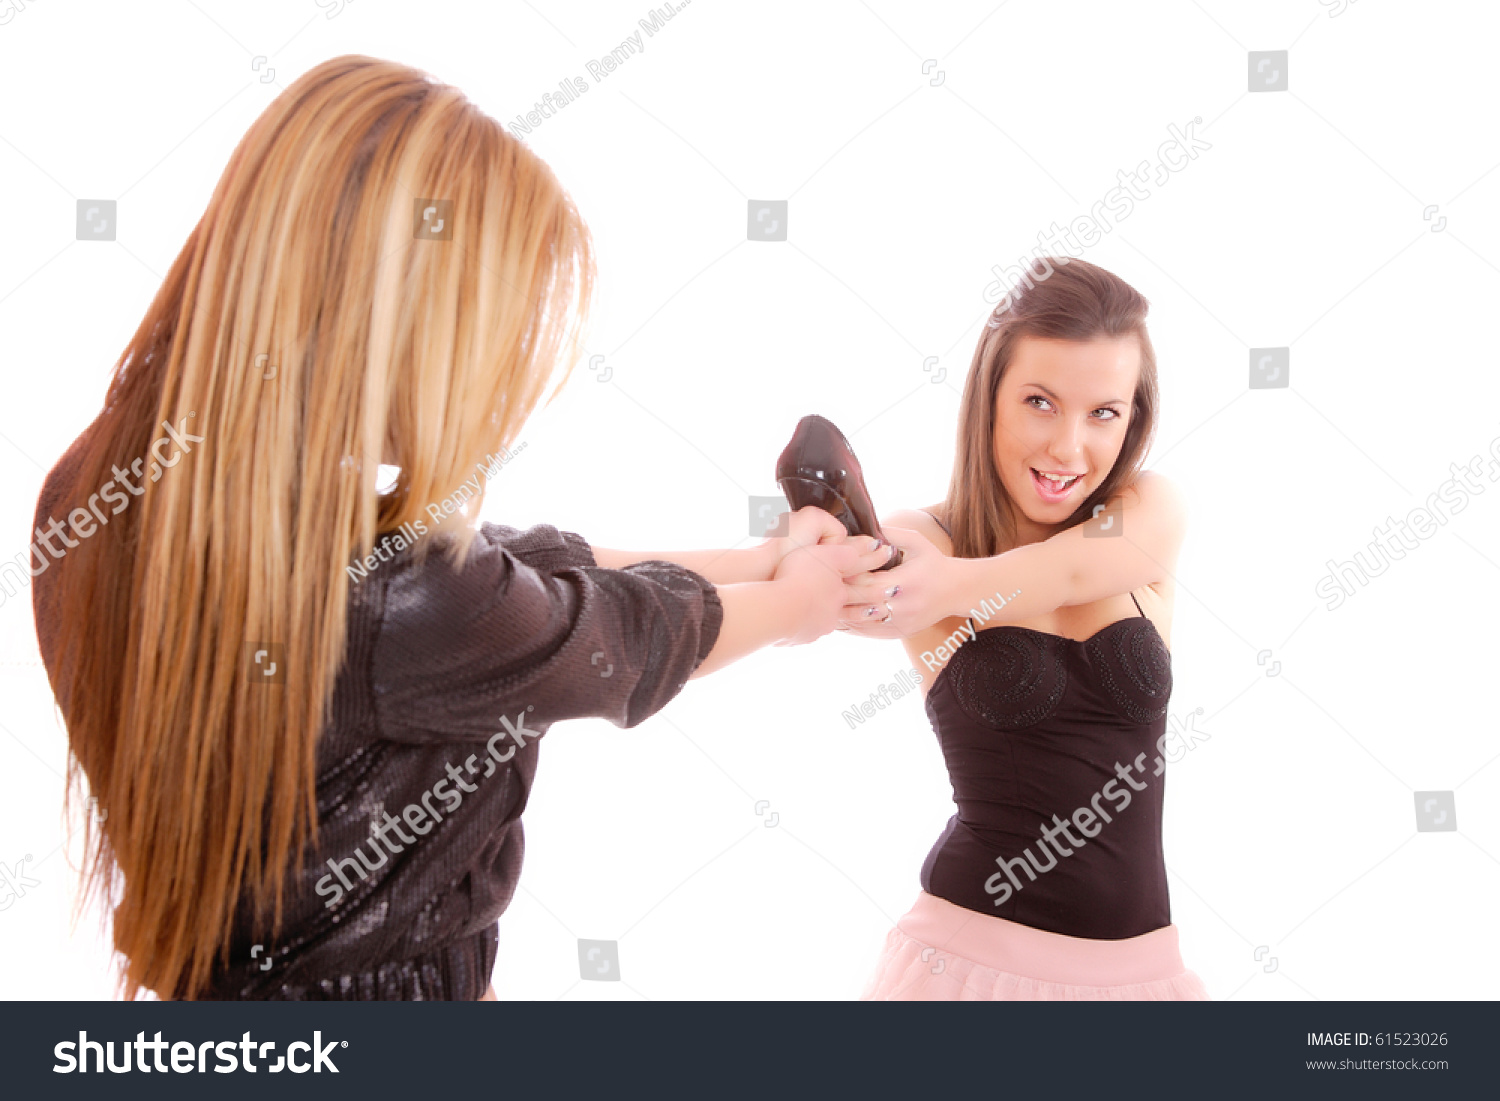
799,605
737,565
1076,566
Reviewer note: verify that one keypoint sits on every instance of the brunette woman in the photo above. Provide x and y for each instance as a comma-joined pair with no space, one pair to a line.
1037,601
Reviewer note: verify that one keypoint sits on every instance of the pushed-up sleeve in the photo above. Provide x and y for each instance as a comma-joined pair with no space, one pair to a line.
542,547
531,627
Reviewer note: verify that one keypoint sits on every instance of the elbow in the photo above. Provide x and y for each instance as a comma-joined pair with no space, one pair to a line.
1072,588
1071,591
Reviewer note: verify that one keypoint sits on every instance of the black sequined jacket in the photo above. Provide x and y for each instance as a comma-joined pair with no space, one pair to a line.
450,679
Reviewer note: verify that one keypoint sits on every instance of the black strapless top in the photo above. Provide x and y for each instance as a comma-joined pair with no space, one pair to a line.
1033,725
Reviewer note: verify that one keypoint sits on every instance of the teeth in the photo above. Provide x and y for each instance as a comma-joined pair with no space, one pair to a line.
1059,481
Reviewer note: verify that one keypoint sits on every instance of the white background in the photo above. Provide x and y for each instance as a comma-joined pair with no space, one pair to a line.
1293,827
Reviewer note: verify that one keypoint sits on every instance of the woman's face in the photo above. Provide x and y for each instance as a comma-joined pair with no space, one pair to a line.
1062,410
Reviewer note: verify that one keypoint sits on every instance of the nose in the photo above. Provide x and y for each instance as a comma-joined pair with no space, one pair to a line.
1067,442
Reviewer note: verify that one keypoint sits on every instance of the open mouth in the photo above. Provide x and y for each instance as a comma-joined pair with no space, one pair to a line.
1054,487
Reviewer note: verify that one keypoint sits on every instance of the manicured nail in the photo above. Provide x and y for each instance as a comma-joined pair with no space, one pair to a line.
893,592
870,611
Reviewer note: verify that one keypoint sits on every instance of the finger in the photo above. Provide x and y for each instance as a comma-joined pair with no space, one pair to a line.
872,588
850,559
874,630
863,613
905,537
888,552
860,544
873,559
817,525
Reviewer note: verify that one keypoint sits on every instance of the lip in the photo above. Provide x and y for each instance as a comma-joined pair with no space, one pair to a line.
1044,489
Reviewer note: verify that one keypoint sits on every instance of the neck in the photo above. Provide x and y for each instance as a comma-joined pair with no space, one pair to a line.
1028,530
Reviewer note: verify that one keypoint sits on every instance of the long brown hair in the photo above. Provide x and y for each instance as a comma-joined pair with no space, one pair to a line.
383,274
1074,300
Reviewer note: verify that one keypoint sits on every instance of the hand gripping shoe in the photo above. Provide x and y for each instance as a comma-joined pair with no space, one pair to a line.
818,467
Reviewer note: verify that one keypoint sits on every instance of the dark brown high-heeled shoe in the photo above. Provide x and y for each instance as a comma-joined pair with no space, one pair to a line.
818,467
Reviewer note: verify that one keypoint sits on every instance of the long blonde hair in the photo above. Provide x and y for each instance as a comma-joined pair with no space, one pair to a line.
383,274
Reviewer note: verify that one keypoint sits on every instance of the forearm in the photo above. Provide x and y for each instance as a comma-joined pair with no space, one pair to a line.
756,614
1013,587
1070,568
734,566
1078,565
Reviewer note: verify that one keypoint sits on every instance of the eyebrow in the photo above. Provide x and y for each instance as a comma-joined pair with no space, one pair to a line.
1054,397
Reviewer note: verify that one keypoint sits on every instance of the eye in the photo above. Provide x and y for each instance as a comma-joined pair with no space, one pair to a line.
1113,414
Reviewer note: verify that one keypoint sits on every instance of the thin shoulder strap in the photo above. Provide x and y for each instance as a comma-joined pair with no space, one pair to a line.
1137,605
939,523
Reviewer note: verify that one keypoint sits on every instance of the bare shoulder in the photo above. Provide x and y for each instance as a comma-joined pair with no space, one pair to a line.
1156,496
916,519
1155,509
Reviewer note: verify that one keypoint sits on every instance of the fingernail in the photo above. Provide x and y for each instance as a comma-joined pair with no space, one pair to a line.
894,591
870,611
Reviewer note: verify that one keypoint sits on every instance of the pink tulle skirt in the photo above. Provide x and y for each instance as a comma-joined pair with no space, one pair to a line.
943,952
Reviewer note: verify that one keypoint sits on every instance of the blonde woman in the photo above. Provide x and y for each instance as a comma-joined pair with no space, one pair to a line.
1037,601
309,710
